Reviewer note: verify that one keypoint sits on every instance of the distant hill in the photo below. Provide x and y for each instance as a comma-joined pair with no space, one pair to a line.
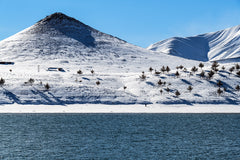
215,46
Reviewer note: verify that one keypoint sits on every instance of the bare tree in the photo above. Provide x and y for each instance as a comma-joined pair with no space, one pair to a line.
98,83
163,69
31,81
47,86
160,82
161,91
190,88
143,76
92,71
215,66
219,83
219,91
202,74
150,69
79,72
194,69
237,88
177,74
167,89
2,81
168,69
201,65
177,93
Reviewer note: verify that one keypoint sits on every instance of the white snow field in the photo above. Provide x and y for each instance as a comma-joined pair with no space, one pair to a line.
216,46
55,48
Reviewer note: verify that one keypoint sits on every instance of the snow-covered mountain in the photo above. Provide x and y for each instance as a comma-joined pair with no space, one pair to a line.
215,46
59,38
53,50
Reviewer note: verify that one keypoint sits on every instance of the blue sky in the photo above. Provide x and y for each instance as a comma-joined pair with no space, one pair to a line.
141,22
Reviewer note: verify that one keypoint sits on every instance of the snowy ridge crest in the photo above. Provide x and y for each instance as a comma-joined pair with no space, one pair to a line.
216,46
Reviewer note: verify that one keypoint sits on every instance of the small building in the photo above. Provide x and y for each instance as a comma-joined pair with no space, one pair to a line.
56,69
6,63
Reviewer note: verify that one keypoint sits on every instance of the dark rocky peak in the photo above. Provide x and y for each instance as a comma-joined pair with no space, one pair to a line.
57,16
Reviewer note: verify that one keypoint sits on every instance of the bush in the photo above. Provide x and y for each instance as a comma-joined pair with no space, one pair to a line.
31,81
194,69
190,88
215,66
219,91
92,71
46,86
237,88
201,65
163,69
231,69
202,74
237,66
219,83
98,83
238,73
160,82
168,69
79,72
150,69
177,93
157,72
177,74
2,81
161,91
143,76
210,74
167,89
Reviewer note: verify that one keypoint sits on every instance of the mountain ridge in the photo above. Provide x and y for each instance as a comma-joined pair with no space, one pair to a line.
213,46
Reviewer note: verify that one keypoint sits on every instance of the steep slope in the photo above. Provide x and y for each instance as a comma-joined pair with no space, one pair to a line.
59,39
221,45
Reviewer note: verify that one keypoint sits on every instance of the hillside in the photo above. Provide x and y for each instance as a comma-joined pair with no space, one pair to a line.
216,46
59,40
84,65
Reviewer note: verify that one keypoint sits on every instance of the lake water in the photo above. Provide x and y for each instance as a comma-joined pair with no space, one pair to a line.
120,136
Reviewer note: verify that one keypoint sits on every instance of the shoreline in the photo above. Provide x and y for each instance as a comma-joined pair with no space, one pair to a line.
137,108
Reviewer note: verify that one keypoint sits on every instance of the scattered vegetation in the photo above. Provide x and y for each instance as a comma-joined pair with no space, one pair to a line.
219,83
2,81
190,88
47,86
79,72
219,91
143,76
210,74
237,88
194,69
98,83
161,91
215,66
92,71
168,69
202,74
150,69
201,65
177,93
31,81
177,74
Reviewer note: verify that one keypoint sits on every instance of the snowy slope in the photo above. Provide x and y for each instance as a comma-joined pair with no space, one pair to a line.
221,45
62,41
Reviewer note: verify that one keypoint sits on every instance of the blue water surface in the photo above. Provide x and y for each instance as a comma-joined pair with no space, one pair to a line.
120,136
